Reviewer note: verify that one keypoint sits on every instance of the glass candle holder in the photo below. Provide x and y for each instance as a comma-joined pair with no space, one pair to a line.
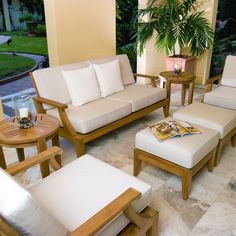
23,110
177,67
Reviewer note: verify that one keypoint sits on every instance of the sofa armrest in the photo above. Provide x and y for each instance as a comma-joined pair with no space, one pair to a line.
151,77
100,219
61,107
211,81
49,154
50,102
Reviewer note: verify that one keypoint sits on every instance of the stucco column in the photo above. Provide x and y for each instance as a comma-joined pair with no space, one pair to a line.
80,30
6,15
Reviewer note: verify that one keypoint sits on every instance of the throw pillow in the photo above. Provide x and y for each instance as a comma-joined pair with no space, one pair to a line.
82,85
109,77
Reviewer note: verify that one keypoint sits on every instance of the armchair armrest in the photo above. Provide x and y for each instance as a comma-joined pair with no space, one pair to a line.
100,219
49,154
151,77
211,81
50,102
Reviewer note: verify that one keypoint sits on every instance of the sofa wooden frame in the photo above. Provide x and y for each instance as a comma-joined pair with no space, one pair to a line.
79,140
144,222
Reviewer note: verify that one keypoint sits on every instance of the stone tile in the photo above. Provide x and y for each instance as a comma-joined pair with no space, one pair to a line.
220,219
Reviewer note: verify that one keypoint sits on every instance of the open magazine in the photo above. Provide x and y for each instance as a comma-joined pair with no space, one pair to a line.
169,129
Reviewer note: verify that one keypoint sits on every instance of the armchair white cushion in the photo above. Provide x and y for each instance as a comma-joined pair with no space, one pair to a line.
109,77
225,94
86,186
229,73
23,212
82,85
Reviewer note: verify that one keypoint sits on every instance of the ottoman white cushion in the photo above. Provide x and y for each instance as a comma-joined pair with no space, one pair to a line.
216,118
185,151
88,186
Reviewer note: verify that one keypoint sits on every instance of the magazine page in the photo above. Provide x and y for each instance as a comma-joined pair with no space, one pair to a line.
168,129
178,127
188,127
163,131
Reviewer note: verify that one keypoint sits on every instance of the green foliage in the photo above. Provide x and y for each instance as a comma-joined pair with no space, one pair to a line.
12,64
125,42
174,22
37,45
41,29
26,17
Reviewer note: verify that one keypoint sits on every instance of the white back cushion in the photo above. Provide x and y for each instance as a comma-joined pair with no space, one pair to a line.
21,211
229,73
109,77
51,84
82,85
125,67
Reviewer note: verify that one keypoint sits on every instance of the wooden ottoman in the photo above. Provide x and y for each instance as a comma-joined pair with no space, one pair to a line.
182,156
219,119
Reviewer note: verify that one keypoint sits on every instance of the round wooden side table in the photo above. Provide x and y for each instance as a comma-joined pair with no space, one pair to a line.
184,78
45,127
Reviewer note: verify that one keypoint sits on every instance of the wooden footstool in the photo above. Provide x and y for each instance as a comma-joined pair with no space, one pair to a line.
182,156
219,119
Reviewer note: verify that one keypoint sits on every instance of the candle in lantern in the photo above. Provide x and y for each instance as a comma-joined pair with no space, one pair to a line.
177,67
23,112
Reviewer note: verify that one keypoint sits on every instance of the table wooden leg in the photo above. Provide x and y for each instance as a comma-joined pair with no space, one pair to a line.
56,142
2,159
168,88
20,154
44,166
183,94
190,95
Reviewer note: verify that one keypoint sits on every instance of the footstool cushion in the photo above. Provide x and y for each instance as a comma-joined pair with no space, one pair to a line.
216,118
185,151
182,156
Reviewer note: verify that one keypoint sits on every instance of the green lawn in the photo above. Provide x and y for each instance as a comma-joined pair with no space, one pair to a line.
24,43
11,65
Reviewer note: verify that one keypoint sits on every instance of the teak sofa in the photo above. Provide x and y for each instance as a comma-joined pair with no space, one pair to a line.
83,123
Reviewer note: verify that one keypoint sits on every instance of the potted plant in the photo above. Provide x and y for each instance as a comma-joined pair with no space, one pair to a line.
175,22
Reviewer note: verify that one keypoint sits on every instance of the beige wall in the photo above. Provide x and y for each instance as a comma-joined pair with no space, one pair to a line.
80,30
152,62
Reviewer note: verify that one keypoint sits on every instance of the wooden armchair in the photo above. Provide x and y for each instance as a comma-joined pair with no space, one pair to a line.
98,222
224,95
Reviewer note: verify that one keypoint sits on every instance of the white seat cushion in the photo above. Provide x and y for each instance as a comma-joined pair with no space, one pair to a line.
23,213
185,151
222,96
216,118
229,73
109,77
80,189
125,67
51,84
95,114
82,85
139,96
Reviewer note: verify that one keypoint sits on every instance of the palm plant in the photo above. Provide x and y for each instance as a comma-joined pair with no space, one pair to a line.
174,22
